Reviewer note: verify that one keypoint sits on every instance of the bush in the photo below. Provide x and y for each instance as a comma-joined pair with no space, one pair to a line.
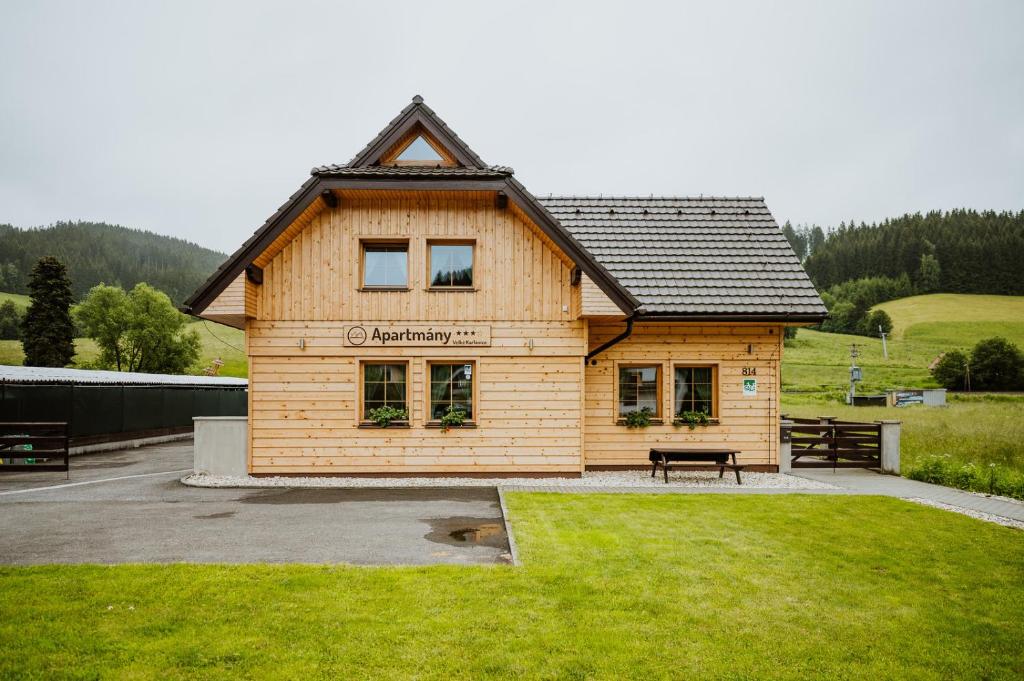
849,304
951,370
879,320
996,364
991,479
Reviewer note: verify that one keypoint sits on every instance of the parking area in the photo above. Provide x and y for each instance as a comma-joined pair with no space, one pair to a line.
128,506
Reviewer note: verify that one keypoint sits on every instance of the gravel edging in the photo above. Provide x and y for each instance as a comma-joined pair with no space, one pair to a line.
634,479
980,515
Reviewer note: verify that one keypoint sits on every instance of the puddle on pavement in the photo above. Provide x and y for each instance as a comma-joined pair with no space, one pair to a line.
468,532
214,516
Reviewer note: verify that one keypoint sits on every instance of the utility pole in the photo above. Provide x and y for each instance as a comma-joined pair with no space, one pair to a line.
855,373
885,348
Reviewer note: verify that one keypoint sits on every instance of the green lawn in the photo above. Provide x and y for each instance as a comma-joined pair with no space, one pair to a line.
217,341
612,587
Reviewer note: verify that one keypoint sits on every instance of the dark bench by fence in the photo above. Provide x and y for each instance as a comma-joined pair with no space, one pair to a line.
46,441
695,459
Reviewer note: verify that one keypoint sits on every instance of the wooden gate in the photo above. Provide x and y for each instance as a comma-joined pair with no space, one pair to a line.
834,444
33,447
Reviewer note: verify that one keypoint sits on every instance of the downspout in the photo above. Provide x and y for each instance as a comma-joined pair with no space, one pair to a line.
614,341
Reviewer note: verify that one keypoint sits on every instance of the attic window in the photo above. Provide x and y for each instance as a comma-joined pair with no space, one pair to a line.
419,151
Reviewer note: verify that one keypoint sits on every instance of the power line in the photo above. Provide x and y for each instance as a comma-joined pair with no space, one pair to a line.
221,339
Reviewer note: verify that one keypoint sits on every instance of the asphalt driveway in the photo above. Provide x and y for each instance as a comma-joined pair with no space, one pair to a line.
128,506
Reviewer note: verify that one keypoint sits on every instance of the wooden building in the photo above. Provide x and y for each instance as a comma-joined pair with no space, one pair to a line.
418,278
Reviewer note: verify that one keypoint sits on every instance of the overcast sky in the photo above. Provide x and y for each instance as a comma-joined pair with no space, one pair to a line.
199,119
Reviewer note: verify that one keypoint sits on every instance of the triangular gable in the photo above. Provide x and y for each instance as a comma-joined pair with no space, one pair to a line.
418,148
416,118
416,115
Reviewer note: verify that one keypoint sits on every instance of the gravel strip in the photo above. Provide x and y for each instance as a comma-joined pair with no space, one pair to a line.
589,479
998,519
1009,500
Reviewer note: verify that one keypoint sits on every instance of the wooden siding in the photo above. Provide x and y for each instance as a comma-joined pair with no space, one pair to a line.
234,304
304,406
595,304
746,423
315,275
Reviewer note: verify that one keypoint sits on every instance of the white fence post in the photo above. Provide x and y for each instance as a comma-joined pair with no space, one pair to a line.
889,441
785,446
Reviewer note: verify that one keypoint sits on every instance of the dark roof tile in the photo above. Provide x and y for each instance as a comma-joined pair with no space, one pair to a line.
710,255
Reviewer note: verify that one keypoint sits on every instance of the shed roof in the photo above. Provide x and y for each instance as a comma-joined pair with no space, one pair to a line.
692,256
22,374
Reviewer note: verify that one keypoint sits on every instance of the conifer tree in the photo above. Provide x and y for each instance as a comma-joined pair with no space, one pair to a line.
47,332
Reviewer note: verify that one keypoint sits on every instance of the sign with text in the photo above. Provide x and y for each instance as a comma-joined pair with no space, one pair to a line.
750,387
398,335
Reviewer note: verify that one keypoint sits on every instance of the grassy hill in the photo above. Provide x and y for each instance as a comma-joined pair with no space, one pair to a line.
20,300
924,327
960,320
217,341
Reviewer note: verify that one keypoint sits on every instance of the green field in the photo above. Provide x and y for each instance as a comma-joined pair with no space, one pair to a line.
217,341
612,587
20,300
963,440
967,317
923,328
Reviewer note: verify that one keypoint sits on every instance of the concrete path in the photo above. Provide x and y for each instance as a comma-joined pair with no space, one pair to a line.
129,506
860,481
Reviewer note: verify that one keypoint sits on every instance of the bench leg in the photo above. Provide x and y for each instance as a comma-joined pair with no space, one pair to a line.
738,481
654,468
721,471
664,464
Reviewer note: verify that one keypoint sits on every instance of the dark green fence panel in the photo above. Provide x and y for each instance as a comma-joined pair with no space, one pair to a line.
178,406
37,403
207,403
233,403
143,408
99,410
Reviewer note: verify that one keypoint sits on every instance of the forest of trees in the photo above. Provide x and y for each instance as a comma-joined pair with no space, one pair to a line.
959,251
96,252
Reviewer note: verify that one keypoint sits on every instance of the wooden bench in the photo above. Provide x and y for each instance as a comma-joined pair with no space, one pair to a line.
695,458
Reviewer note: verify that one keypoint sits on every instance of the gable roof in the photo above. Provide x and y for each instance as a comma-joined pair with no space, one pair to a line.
363,172
665,258
416,113
693,256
